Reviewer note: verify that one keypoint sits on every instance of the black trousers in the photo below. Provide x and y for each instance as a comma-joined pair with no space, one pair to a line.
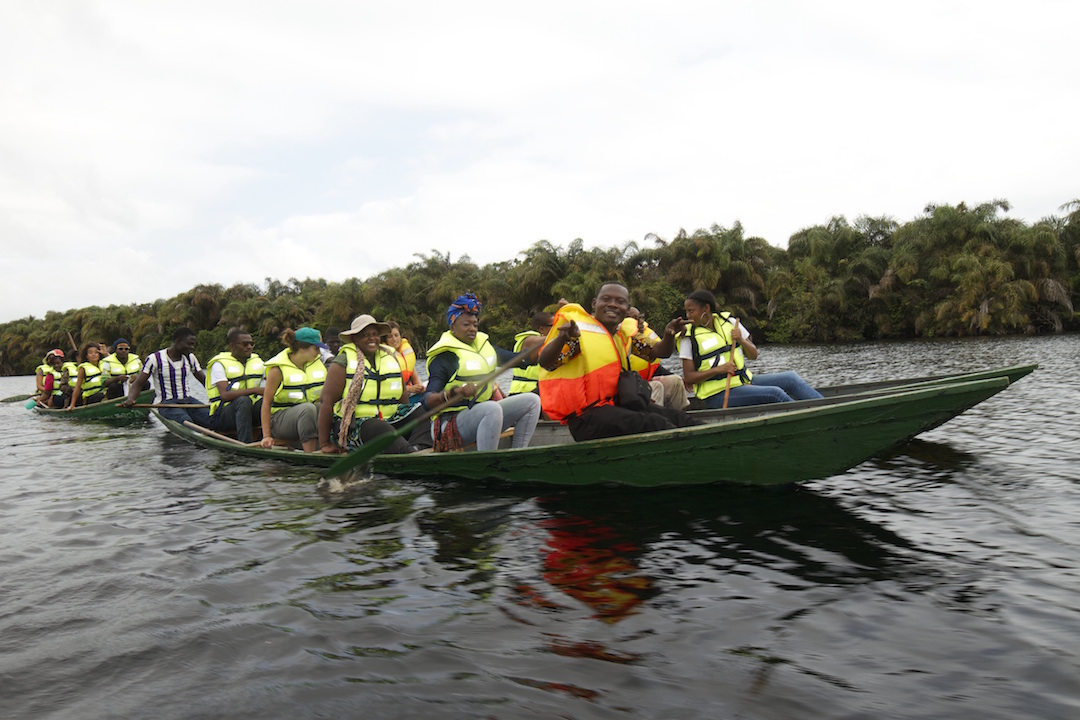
612,421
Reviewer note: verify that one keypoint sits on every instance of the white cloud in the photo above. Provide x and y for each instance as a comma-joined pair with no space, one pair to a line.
226,142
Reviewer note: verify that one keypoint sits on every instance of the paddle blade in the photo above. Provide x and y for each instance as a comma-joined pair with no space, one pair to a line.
361,456
30,404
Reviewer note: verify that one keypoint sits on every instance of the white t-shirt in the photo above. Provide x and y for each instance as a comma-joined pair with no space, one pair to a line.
217,373
171,378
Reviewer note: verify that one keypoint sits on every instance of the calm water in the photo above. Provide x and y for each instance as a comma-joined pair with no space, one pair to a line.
143,577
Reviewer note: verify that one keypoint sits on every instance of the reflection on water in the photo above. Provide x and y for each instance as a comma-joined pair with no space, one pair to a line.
145,576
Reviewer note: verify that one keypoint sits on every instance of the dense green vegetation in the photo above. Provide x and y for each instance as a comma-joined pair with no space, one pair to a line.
956,270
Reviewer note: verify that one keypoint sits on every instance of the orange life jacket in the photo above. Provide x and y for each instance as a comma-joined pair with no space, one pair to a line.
591,377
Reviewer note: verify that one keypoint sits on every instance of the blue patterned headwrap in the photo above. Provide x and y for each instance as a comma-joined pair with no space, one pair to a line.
466,303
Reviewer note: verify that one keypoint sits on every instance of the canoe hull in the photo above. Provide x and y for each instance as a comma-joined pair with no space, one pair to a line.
781,448
105,410
778,449
553,433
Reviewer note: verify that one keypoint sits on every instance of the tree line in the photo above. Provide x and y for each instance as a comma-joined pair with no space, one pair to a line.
955,270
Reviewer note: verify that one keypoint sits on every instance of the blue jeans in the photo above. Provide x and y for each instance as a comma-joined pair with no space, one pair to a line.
199,416
485,421
771,388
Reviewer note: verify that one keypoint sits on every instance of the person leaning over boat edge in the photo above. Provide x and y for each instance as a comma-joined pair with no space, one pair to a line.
715,346
581,361
89,386
353,412
118,368
294,382
234,386
170,368
464,354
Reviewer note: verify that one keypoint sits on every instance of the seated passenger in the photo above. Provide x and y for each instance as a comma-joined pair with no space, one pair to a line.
456,363
294,382
234,386
526,379
118,369
667,389
42,371
51,390
89,380
413,385
364,385
172,369
330,346
718,373
581,362
69,374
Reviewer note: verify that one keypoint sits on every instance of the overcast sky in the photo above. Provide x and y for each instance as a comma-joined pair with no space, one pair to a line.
146,147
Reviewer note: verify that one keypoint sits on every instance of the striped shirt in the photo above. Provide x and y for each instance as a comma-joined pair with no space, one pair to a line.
171,377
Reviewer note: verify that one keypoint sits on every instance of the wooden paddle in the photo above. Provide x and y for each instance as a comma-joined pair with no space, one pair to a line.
209,432
727,387
367,451
179,406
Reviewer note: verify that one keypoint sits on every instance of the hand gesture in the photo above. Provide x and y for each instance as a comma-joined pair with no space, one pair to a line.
569,330
675,327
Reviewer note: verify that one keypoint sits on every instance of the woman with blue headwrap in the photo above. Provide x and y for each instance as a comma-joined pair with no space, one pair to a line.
455,364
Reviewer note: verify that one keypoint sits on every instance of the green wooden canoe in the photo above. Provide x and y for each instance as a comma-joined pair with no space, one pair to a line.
104,410
550,433
784,447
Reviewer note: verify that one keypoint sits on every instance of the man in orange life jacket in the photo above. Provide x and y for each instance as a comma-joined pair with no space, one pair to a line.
581,361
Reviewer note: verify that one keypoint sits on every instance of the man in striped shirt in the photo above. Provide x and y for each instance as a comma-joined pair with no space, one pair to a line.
174,370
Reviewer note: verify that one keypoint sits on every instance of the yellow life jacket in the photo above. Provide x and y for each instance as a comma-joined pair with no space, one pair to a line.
72,372
56,375
474,362
639,364
383,384
712,347
92,380
590,378
525,379
297,385
241,376
112,365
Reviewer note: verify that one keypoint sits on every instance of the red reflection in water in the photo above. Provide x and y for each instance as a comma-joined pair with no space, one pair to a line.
589,562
